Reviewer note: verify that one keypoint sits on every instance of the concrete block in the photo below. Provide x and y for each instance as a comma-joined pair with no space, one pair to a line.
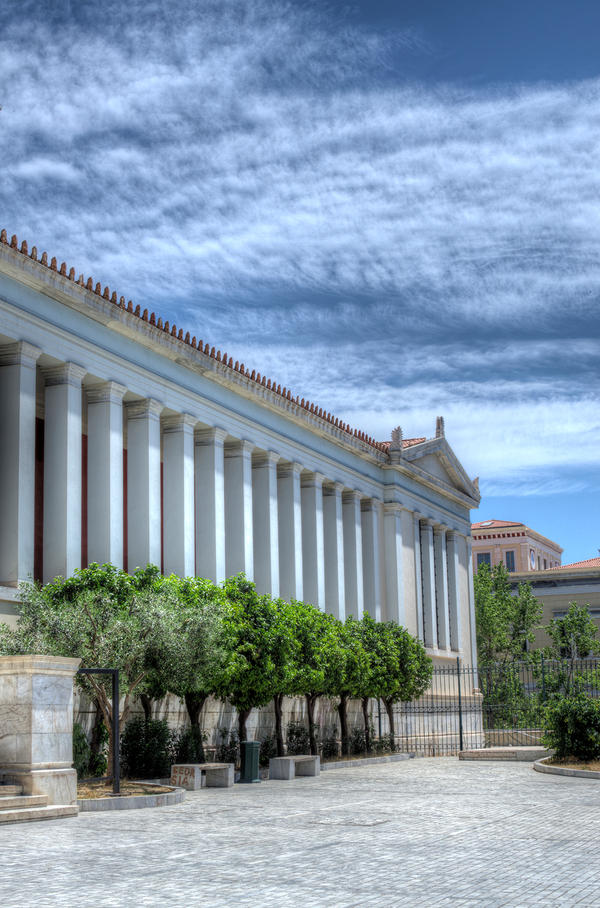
188,776
220,776
282,768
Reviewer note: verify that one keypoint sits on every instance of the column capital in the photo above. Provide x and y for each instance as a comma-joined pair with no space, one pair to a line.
333,488
107,392
370,504
64,374
394,507
20,353
289,469
212,435
440,529
264,458
240,448
351,495
312,479
142,409
178,422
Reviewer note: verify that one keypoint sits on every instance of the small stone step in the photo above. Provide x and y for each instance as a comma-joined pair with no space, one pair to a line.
7,803
28,814
8,790
518,753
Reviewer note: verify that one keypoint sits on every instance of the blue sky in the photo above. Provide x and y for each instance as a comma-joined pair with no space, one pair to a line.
390,207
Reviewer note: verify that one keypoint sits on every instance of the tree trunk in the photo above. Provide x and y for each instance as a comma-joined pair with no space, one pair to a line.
278,705
365,712
96,737
389,708
194,704
242,716
342,709
146,706
311,699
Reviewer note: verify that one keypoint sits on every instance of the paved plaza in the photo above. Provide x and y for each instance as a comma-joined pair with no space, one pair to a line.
423,832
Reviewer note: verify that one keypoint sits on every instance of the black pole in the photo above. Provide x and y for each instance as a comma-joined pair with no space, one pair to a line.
116,735
460,721
379,716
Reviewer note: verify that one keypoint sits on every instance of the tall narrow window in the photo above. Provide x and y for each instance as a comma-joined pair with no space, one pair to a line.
510,561
484,558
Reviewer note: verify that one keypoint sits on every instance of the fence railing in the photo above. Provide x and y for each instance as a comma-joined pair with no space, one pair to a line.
500,704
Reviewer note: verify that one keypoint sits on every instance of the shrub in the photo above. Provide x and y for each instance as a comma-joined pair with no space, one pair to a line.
147,749
297,738
357,743
572,727
330,746
228,748
268,749
189,745
384,744
82,752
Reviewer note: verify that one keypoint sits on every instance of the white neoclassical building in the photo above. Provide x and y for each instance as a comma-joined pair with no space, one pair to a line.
122,439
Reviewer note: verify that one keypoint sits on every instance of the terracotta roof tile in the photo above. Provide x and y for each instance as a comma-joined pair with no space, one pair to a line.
588,563
406,443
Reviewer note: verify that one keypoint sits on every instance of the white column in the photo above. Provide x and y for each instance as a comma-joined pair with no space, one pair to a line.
290,531
353,562
428,570
105,473
239,543
62,470
453,589
394,581
313,545
418,574
469,545
265,523
441,587
178,495
370,508
333,531
17,461
143,483
210,504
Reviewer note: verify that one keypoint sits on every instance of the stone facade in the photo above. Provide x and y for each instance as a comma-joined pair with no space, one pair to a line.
514,545
124,440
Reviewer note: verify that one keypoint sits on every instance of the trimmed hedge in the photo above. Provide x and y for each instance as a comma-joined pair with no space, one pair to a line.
572,727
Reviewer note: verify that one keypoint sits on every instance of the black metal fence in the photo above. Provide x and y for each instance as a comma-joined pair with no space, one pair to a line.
498,705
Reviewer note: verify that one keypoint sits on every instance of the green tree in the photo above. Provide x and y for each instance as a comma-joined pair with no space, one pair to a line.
201,663
112,625
286,655
504,622
350,676
320,659
574,636
399,670
251,639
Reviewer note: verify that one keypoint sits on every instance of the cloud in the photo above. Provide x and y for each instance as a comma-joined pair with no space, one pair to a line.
264,174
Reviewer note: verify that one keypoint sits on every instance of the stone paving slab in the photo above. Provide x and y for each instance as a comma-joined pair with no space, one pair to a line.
424,832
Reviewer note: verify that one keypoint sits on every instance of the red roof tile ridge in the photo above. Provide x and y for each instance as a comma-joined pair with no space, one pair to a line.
222,358
588,562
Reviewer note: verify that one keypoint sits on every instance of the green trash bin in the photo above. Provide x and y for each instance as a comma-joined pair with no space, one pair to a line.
250,752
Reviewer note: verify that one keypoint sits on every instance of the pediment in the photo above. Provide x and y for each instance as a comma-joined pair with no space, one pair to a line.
436,458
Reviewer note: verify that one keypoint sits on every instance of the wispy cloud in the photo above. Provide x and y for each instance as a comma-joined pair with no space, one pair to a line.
262,173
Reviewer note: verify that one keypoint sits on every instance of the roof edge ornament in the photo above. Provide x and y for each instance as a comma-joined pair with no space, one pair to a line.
395,448
440,429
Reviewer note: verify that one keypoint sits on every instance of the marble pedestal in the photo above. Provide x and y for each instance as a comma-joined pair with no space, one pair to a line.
36,722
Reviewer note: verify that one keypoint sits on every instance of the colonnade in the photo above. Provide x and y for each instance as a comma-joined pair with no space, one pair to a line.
129,481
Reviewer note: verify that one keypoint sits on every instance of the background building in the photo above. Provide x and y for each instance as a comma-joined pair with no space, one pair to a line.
514,545
557,587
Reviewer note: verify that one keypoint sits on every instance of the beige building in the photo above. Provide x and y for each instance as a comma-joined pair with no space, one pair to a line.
557,587
513,544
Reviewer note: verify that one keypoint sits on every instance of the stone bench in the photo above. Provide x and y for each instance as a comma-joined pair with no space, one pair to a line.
289,767
193,776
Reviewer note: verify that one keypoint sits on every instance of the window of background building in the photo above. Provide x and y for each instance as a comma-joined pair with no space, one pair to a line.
545,565
510,561
484,558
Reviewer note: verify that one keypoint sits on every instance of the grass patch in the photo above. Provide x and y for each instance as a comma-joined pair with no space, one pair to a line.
103,789
574,763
